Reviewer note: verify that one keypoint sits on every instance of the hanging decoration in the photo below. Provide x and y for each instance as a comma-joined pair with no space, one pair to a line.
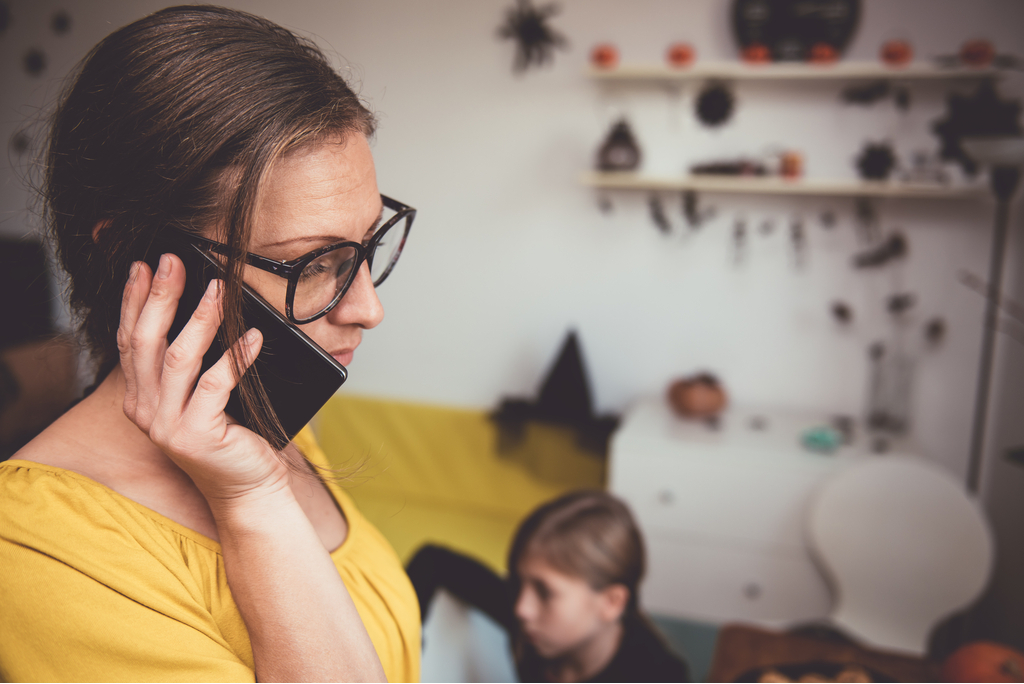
895,247
34,62
739,240
60,22
536,41
714,104
692,212
658,216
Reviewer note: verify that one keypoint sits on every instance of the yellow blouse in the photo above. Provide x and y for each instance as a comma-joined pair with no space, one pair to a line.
95,587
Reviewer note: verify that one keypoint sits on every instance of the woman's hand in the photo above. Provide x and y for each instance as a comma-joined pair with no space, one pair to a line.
181,411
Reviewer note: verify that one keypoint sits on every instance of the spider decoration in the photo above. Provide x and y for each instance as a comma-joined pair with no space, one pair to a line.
535,40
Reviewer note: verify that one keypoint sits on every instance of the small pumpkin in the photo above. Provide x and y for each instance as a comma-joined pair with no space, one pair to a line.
977,53
897,52
604,56
757,53
680,55
698,396
984,661
823,53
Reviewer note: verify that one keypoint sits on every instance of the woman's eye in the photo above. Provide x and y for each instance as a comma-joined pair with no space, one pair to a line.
313,270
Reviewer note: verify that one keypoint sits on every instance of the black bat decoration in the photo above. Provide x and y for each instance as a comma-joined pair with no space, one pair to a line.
535,40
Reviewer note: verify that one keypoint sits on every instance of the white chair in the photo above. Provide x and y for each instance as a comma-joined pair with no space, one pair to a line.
902,546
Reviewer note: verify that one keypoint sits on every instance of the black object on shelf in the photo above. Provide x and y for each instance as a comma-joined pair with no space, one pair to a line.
619,151
564,400
876,161
790,28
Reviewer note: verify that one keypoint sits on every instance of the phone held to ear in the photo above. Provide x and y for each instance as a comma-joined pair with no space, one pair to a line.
298,376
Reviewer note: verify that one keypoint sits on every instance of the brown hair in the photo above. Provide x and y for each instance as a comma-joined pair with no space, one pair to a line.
586,534
176,120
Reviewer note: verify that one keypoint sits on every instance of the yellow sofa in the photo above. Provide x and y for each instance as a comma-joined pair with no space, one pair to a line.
426,473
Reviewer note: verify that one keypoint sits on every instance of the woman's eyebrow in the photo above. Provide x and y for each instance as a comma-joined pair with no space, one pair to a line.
376,223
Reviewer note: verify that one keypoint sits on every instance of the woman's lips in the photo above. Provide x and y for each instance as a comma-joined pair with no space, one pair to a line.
344,357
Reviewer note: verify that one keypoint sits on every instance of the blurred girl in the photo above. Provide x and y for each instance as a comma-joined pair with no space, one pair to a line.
570,603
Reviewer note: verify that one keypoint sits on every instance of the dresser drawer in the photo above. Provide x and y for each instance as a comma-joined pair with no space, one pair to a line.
754,502
721,584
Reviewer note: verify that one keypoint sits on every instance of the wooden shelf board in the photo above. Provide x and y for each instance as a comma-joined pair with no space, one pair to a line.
780,186
789,71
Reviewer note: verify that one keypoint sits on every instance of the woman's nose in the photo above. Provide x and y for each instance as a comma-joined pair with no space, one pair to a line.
360,305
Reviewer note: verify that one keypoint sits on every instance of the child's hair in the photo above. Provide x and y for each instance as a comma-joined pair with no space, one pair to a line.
586,534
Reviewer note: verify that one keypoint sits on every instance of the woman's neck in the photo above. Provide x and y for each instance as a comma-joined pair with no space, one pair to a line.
590,657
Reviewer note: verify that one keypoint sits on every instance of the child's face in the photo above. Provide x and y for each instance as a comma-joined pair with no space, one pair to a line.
559,613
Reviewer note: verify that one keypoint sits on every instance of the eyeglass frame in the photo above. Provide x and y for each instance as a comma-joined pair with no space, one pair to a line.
292,268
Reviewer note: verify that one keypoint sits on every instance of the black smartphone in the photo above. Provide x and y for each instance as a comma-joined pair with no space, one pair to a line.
297,374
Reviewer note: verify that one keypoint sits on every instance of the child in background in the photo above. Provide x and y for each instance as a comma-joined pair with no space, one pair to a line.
570,603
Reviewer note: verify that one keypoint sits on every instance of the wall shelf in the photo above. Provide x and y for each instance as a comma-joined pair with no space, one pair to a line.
792,71
772,185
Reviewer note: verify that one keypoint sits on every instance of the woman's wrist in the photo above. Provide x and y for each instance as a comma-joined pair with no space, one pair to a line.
255,510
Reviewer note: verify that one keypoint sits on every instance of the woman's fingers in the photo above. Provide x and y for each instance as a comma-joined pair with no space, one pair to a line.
215,385
136,290
184,357
147,341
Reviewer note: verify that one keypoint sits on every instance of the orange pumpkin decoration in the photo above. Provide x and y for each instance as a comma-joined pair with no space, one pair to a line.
700,396
605,56
823,53
791,165
984,661
897,53
977,53
757,53
680,55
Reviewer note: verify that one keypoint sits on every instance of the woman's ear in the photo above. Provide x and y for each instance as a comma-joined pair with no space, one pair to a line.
614,599
100,225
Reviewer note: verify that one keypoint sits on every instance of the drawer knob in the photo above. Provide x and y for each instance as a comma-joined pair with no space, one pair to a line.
666,497
752,591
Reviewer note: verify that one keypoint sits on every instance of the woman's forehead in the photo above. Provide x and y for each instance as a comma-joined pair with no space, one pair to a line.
327,191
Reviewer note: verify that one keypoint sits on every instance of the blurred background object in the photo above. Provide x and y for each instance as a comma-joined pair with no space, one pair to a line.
38,367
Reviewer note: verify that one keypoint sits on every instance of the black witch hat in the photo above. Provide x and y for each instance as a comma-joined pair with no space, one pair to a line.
564,400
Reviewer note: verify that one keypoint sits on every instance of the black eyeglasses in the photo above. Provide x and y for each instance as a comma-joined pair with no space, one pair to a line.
317,281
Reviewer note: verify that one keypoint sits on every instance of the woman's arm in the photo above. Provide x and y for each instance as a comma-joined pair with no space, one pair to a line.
301,620
302,623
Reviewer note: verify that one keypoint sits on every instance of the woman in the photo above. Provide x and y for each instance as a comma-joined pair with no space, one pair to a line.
145,535
571,602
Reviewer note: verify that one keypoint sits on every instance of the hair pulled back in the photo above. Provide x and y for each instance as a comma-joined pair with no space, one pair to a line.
586,534
175,120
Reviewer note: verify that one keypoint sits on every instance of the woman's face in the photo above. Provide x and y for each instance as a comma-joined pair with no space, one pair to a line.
316,196
557,612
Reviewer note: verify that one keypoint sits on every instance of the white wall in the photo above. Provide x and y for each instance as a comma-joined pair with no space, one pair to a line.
509,250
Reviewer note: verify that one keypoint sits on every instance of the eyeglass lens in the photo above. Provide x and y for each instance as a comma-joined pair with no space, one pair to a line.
324,278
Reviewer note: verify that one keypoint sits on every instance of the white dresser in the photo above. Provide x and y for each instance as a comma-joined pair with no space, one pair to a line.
722,511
